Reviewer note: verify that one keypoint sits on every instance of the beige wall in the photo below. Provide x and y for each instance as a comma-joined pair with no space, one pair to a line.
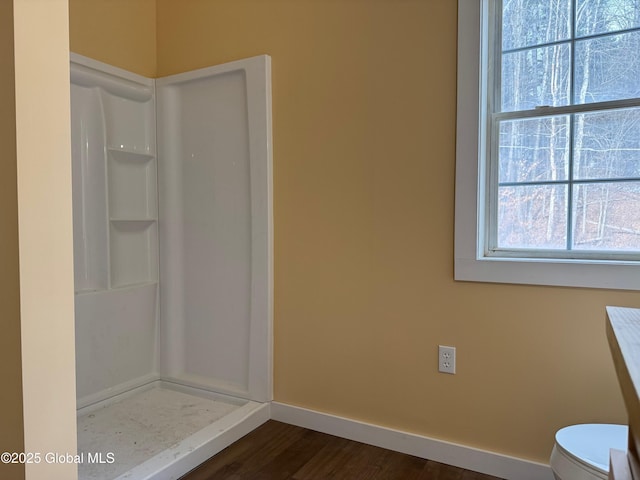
118,32
11,427
41,35
364,158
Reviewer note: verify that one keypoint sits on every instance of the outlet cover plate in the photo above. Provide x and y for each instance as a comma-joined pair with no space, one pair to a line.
446,359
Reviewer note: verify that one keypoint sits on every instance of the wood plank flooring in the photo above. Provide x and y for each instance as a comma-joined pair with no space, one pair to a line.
278,451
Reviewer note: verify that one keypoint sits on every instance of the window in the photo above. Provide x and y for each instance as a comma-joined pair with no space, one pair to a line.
548,147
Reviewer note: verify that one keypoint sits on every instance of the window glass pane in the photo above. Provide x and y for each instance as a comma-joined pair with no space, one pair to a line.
607,216
536,77
532,217
607,144
601,16
534,149
592,156
526,23
607,68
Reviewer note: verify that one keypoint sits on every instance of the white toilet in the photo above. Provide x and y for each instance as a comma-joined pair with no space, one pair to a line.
581,452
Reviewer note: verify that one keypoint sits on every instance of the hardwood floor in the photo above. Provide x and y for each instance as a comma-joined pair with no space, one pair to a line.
278,451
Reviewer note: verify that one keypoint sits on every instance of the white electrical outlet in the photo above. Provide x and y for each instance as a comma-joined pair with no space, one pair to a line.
446,359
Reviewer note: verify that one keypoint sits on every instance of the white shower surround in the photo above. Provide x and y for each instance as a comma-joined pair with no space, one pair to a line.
173,242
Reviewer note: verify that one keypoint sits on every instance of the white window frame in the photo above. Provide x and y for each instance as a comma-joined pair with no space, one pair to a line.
471,262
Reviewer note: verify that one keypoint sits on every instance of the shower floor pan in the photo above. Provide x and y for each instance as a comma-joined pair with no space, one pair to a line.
160,431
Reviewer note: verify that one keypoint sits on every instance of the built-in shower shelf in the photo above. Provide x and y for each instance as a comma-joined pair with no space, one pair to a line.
132,286
88,291
132,154
134,253
132,185
133,220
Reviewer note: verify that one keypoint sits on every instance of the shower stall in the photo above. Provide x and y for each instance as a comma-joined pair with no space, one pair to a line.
172,214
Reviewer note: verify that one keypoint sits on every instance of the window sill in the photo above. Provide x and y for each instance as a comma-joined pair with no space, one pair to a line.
565,273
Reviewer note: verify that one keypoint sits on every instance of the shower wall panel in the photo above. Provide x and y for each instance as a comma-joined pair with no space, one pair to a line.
115,229
214,168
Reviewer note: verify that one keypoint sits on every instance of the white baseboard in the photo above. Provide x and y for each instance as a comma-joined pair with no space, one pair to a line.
490,463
